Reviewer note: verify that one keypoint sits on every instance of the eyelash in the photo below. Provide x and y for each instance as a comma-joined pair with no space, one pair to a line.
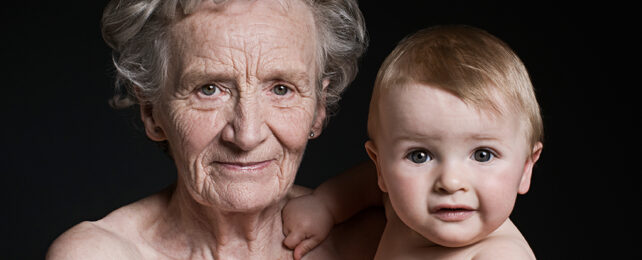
426,156
201,90
288,88
492,153
216,91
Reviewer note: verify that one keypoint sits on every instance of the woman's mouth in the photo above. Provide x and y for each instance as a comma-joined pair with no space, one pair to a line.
244,166
452,213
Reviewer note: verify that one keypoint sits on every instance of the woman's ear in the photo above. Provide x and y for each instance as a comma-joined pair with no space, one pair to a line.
371,149
153,130
319,117
525,182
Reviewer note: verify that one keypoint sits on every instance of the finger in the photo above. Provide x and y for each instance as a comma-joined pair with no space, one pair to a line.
304,247
293,239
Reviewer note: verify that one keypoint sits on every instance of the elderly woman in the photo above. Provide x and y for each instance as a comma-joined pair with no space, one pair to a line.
234,90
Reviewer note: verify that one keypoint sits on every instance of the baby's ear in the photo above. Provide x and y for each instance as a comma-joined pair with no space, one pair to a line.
371,149
525,182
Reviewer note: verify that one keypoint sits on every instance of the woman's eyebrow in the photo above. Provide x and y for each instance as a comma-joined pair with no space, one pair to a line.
300,77
199,76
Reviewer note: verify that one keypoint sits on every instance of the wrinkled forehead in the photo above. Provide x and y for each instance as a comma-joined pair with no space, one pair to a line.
293,13
250,32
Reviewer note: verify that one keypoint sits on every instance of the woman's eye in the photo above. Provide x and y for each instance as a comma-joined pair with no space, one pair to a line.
418,156
209,90
280,90
483,155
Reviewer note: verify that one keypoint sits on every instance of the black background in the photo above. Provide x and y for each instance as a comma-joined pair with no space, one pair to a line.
68,157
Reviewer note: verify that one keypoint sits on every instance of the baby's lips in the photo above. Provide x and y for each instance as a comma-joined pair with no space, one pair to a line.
452,212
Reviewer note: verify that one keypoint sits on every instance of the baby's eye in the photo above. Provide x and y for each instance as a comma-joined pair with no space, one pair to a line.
209,90
483,155
418,156
280,90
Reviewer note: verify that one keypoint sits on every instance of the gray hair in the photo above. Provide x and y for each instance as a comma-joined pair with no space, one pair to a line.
137,31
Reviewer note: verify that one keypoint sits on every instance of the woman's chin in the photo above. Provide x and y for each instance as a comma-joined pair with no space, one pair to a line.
248,197
243,189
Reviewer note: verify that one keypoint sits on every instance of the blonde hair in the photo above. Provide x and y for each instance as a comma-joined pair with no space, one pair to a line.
468,62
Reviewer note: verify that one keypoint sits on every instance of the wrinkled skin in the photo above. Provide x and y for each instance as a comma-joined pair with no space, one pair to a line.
237,111
238,148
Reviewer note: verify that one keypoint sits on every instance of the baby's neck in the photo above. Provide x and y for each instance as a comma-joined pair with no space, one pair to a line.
398,239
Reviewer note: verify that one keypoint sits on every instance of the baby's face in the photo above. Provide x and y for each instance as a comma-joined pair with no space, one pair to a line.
452,171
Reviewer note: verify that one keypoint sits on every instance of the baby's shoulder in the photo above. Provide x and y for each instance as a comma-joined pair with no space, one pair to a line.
90,240
503,247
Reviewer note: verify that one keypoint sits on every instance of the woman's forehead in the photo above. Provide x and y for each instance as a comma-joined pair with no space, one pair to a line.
246,37
238,17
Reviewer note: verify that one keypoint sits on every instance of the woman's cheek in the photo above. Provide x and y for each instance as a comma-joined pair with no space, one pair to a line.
291,125
192,130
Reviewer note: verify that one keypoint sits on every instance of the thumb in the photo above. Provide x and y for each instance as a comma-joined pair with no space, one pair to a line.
305,246
293,239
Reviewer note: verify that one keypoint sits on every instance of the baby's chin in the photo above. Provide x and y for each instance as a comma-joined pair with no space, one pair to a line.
455,243
454,239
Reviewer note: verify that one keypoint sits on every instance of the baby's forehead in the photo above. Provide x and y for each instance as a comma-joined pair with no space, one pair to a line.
488,100
407,105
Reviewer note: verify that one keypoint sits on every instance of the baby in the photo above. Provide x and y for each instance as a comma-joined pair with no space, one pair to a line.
455,130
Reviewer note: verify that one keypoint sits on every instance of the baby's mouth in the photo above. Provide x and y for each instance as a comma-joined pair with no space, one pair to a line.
452,213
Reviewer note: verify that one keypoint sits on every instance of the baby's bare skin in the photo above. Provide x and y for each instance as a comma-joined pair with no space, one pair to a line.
400,242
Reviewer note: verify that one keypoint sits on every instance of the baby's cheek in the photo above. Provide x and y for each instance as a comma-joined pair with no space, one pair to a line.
498,198
408,194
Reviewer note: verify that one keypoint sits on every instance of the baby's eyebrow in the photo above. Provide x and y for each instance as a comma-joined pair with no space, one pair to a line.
483,137
474,137
411,136
495,140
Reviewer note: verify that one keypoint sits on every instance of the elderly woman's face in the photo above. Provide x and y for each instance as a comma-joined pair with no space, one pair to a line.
240,103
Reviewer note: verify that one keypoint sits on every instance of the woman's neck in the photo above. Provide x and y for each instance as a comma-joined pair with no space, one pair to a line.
191,227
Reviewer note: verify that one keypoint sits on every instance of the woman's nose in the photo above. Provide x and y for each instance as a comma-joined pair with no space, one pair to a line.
246,128
450,179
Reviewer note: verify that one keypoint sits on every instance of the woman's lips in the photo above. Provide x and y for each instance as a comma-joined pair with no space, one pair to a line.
244,166
452,213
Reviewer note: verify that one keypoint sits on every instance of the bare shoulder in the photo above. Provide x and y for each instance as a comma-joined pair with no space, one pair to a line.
116,236
88,240
506,243
504,248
